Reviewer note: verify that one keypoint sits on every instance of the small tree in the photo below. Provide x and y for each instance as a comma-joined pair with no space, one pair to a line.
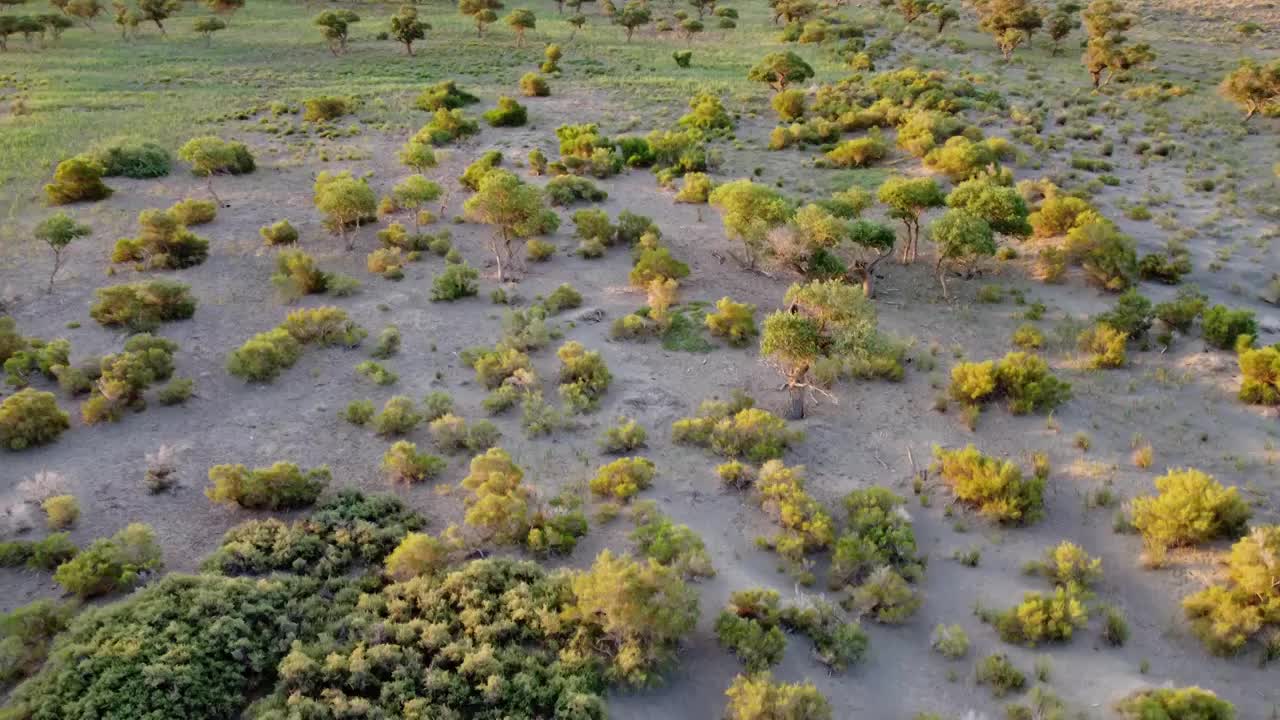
483,12
633,15
1010,22
207,26
335,26
961,237
907,199
912,10
345,201
413,193
58,231
780,70
793,343
514,208
84,10
1062,23
576,21
225,7
1254,87
157,11
210,156
1108,50
125,19
751,210
407,28
943,15
520,20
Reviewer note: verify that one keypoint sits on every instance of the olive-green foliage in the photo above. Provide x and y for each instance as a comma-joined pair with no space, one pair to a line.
568,189
1044,618
282,486
1105,345
499,505
676,546
132,158
77,179
789,104
1188,703
142,306
878,533
61,511
996,488
417,554
1191,507
886,597
326,108
997,671
445,94
961,158
734,321
656,264
625,436
584,377
209,155
534,85
859,152
262,357
1022,379
751,628
26,634
403,463
279,233
1131,315
806,525
508,113
1182,311
623,478
46,554
478,168
163,243
456,282
29,418
349,531
124,378
110,564
1028,337
1260,375
1068,564
177,391
193,212
564,297
836,642
398,417
32,355
951,641
736,430
1222,326
758,697
445,127
1108,256
706,112
1229,614
452,433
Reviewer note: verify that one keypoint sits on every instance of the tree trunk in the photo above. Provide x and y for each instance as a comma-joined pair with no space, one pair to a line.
209,184
942,278
796,409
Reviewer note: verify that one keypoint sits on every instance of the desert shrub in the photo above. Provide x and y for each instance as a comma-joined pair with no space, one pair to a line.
878,533
806,526
358,412
1189,703
1115,629
1068,564
26,634
1058,214
886,597
961,158
193,212
1028,337
47,554
388,343
733,321
1164,267
325,108
32,355
30,418
445,94
1023,380
452,433
569,189
1222,326
1183,310
262,357
997,671
176,391
1043,618
61,511
282,486
564,297
499,505
508,113
456,282
280,233
77,179
494,367
836,643
326,326
163,243
789,104
398,417
539,250
625,436
951,641
584,378
675,546
388,262
750,627
859,152
403,463
736,430
758,697
142,306
377,372
1131,315
110,564
126,376
1107,255
623,478
593,224
996,488
1260,375
475,172
1227,615
445,127
131,158
297,275
534,85
656,264
1105,345
1191,507
417,554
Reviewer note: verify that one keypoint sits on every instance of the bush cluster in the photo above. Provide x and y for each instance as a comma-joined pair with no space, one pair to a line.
584,377
30,418
123,378
264,356
282,486
623,478
994,487
1191,507
736,429
1189,703
110,564
142,306
1021,379
676,546
1228,614
163,243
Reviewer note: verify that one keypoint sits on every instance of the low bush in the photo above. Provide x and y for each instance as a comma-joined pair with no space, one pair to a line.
859,152
751,628
444,94
1191,507
733,321
569,189
193,212
1260,375
358,412
1068,564
878,534
142,306
177,392
564,297
124,378
1028,337
61,511
77,179
26,634
886,597
675,546
1222,326
131,158
534,85
279,233
623,478
456,282
403,463
282,486
445,127
30,418
997,671
951,641
1043,618
47,554
1189,703
325,108
1228,614
994,487
163,243
377,373
625,436
656,264
1131,315
539,250
398,417
264,356
1105,346
806,525
508,113
109,564
1183,310
584,377
736,430
452,433
1023,380
758,697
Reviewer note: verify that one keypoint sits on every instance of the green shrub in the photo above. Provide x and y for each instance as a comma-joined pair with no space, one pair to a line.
478,168
534,85
1222,326
163,243
750,627
1023,380
280,233
283,486
789,104
1131,315
327,326
1227,615
758,697
734,321
1191,507
997,671
878,534
569,189
806,526
1068,564
859,152
142,306
1189,703
358,412
26,634
376,372
951,641
30,418
456,282
656,264
1043,618
1105,345
627,435
1182,311
1115,629
388,343
675,546
193,212
417,554
1163,267
403,463
593,224
996,488
445,127
131,158
1260,375
584,378
398,417
445,94
77,179
177,392
564,297
539,250
623,478
508,113
1109,258
733,431
325,108
61,511
836,643
886,597
262,357
1028,337
110,564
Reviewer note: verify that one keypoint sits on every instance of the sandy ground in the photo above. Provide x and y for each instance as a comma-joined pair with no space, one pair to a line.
1181,400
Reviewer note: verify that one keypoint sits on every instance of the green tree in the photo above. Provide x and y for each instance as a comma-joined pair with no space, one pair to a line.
482,12
1010,22
157,11
58,231
1254,87
345,201
943,15
1062,23
406,28
335,26
1000,205
793,343
520,20
210,155
413,193
633,15
912,10
514,209
125,19
83,10
1108,50
961,237
207,26
780,69
907,199
751,210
